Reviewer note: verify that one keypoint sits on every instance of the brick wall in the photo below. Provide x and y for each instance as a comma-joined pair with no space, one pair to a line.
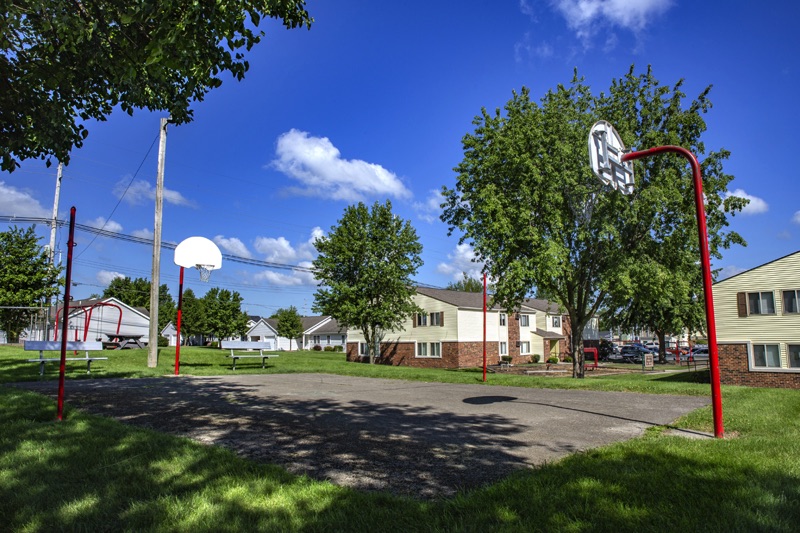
454,355
733,370
513,340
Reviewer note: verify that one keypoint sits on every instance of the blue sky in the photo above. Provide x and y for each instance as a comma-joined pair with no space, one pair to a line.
372,102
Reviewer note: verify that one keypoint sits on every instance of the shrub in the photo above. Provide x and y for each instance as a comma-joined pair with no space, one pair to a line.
214,344
162,341
568,359
553,359
328,348
317,348
338,348
536,358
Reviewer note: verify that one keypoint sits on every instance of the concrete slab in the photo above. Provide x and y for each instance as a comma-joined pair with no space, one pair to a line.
420,439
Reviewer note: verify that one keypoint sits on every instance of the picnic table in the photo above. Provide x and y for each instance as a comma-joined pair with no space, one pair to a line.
121,342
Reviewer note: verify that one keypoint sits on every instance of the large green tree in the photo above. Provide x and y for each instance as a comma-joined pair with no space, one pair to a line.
136,293
290,325
543,224
193,316
27,279
223,313
364,269
466,284
64,62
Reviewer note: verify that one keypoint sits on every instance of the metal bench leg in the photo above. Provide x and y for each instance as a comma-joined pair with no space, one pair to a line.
234,362
41,368
263,361
89,366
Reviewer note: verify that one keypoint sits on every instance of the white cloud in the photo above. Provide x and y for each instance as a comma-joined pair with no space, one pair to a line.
430,209
104,277
141,192
524,50
233,246
585,16
108,225
796,217
280,250
293,279
728,271
17,202
756,205
461,260
526,8
317,164
143,233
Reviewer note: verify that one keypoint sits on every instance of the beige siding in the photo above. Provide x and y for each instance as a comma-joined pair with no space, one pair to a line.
470,326
422,333
780,328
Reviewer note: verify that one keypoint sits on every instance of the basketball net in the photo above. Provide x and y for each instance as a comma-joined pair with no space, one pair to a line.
205,272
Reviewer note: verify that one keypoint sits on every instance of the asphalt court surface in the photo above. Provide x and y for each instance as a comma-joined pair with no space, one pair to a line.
424,440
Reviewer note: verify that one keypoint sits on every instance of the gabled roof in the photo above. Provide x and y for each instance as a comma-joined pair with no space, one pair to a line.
756,267
474,300
78,306
308,323
327,327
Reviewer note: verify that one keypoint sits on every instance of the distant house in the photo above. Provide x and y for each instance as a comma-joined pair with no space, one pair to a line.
449,333
316,331
757,314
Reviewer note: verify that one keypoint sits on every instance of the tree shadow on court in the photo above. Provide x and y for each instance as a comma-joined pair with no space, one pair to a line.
403,449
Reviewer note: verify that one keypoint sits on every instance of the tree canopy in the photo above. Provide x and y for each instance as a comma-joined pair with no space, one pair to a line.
63,62
466,284
543,224
223,313
290,325
26,279
136,293
364,269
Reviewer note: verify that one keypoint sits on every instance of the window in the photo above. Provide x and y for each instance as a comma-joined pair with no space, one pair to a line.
315,339
524,321
794,355
790,301
362,348
556,321
422,319
766,356
503,348
524,347
426,349
761,303
329,339
436,319
502,319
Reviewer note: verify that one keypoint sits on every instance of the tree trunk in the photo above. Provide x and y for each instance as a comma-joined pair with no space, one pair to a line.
662,347
576,347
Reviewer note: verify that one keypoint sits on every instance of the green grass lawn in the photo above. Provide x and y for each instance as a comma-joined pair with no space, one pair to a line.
92,473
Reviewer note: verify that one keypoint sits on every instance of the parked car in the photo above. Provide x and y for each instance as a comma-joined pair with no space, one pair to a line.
698,353
634,353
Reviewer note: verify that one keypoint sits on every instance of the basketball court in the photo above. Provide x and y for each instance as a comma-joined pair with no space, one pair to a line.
425,440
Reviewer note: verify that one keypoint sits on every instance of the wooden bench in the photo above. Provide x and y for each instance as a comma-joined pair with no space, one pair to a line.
236,348
55,346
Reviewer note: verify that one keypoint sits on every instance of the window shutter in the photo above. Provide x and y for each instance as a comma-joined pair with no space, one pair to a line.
741,303
441,318
414,320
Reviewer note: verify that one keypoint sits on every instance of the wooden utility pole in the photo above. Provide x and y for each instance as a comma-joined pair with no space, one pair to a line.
155,279
53,223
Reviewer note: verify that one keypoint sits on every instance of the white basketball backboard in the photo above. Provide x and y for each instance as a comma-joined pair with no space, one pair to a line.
198,251
605,153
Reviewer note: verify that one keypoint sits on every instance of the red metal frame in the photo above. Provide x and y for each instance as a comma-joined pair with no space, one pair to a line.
705,263
178,320
62,370
87,317
484,326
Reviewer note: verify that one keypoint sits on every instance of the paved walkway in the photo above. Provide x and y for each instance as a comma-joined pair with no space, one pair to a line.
425,440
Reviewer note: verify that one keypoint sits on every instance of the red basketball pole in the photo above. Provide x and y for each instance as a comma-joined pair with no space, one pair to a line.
178,320
484,326
705,263
65,322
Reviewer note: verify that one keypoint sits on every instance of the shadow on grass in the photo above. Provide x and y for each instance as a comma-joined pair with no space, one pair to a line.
699,376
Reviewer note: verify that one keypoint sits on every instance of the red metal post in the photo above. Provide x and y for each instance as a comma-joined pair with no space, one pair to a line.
484,326
62,371
178,320
705,263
